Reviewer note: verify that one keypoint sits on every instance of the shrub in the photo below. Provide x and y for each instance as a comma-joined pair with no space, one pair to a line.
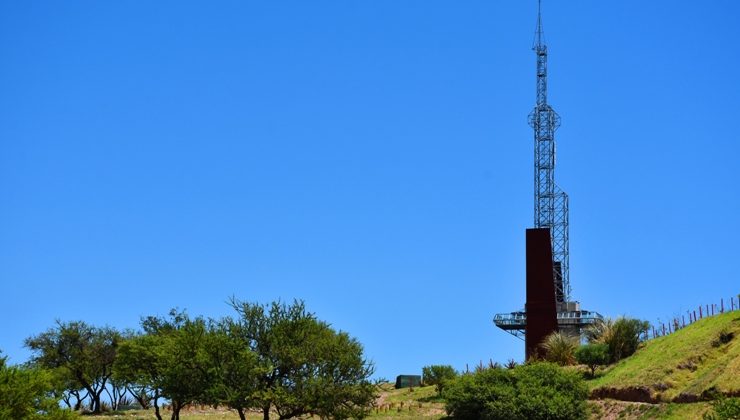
621,336
438,375
560,348
724,409
532,391
29,393
593,356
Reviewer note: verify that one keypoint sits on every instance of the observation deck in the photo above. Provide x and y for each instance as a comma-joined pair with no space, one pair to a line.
571,319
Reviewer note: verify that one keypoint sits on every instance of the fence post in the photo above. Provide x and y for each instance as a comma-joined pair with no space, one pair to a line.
721,305
683,321
700,314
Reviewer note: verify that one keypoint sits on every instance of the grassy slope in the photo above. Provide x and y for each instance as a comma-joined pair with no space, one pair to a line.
685,361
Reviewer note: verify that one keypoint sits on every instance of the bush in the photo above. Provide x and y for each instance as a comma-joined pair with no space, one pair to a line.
438,375
621,336
532,391
27,393
724,409
560,348
593,356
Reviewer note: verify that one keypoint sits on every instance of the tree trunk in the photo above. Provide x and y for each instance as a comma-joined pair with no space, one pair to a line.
242,416
156,409
175,412
266,413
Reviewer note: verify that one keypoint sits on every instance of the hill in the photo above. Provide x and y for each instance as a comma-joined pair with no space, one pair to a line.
689,365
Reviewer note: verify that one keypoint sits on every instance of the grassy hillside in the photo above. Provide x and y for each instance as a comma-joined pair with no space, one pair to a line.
687,363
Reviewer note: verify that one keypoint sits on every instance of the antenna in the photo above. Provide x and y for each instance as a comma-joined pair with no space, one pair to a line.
539,34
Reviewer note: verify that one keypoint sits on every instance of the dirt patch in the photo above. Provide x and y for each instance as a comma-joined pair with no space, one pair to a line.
641,394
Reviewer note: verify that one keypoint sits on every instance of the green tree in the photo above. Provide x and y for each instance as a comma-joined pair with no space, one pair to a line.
84,353
30,393
621,335
233,367
560,348
438,375
169,359
139,363
531,391
593,356
303,366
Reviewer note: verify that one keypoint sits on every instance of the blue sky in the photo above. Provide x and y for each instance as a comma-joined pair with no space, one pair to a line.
370,157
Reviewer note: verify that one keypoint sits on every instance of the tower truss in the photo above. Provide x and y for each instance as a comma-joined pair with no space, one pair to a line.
550,202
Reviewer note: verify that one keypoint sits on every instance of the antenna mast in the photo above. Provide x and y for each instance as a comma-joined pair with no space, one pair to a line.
550,202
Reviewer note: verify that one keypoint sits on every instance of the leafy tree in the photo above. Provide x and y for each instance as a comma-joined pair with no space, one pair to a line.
621,335
303,366
84,353
30,393
438,375
560,348
531,391
139,364
593,356
234,369
626,338
170,360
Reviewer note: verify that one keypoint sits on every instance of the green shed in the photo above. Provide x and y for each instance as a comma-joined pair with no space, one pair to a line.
408,381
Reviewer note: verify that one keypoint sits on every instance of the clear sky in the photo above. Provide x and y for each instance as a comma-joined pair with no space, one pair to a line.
370,157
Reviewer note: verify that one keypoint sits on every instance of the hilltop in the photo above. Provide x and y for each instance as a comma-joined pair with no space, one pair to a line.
689,365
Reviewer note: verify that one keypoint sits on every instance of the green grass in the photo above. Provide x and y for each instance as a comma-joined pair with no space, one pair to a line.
638,411
687,361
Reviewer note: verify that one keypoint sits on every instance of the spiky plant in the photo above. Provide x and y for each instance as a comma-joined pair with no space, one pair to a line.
560,348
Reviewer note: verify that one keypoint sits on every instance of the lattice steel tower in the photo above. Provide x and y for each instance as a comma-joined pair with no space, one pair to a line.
550,202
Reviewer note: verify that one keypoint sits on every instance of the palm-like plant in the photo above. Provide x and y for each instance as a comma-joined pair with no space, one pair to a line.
560,348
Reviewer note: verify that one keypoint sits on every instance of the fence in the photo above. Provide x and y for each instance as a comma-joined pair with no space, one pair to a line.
693,315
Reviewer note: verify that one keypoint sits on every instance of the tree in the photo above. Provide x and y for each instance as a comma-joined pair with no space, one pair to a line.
139,364
593,356
234,369
532,391
169,359
560,348
30,393
83,352
303,366
438,375
621,335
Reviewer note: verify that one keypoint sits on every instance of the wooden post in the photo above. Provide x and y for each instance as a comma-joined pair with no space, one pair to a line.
721,305
683,321
700,314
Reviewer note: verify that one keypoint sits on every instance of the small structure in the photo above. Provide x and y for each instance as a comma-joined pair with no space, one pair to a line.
408,381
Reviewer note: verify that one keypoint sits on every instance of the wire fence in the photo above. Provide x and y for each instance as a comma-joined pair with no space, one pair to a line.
675,323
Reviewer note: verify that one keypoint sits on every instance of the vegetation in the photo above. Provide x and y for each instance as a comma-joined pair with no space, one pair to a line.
29,393
593,356
82,355
724,409
560,348
621,336
686,362
438,375
278,359
531,391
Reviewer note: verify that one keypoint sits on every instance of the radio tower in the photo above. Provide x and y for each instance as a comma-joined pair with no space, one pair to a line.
550,202
550,211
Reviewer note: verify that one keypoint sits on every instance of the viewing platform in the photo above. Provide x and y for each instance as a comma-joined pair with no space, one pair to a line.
571,319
